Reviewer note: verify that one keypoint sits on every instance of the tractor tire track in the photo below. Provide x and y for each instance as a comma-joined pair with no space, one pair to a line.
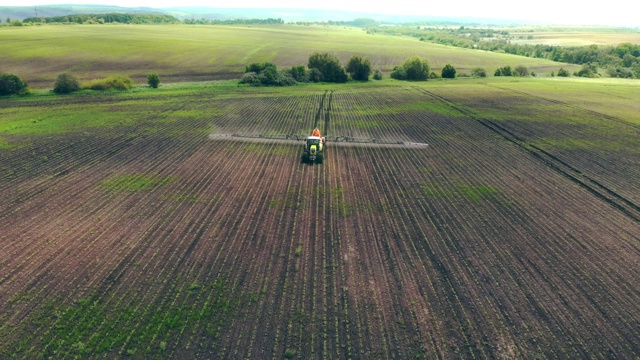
611,197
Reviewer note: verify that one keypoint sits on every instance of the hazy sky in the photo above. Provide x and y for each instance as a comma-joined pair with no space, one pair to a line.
612,12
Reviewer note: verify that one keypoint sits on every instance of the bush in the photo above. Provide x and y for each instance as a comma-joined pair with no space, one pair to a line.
258,67
399,73
562,72
116,82
299,73
269,77
433,75
521,71
620,72
479,72
588,70
66,83
504,71
329,67
315,75
153,80
448,72
359,68
377,75
417,68
11,84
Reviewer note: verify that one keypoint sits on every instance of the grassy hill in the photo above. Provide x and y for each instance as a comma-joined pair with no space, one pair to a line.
190,53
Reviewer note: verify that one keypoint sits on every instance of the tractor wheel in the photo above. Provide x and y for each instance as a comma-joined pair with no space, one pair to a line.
320,158
305,157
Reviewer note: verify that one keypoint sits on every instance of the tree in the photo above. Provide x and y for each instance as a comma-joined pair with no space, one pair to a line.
299,73
11,84
628,60
66,83
479,72
588,70
562,72
359,68
448,72
258,67
620,72
377,75
153,80
328,66
521,70
399,73
417,68
504,71
268,75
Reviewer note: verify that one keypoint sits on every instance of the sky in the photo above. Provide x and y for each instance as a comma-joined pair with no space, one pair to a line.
612,12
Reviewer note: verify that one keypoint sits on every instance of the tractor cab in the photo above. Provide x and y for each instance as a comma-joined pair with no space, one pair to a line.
313,149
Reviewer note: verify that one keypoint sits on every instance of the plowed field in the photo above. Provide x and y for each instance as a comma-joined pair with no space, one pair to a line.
151,240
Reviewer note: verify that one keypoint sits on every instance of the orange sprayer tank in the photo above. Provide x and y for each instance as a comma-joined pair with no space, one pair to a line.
316,132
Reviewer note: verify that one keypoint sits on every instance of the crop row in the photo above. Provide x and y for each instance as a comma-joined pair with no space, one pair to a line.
160,242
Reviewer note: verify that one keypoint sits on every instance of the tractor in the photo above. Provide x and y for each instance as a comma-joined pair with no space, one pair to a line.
314,148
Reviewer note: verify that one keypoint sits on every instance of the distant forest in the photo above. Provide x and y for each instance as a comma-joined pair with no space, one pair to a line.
203,21
622,60
106,19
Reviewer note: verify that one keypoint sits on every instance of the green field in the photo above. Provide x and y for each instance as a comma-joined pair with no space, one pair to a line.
129,230
91,110
194,53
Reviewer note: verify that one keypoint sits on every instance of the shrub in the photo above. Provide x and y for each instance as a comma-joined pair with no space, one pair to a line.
359,68
269,77
562,72
521,70
299,73
258,67
620,72
66,83
11,84
377,75
153,80
433,75
116,82
504,71
315,75
399,73
329,67
448,72
417,68
479,72
588,70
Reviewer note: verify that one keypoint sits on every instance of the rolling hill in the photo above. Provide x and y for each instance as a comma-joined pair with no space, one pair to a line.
192,53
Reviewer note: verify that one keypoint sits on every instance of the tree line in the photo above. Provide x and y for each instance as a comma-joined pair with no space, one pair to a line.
203,21
326,67
106,19
622,60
